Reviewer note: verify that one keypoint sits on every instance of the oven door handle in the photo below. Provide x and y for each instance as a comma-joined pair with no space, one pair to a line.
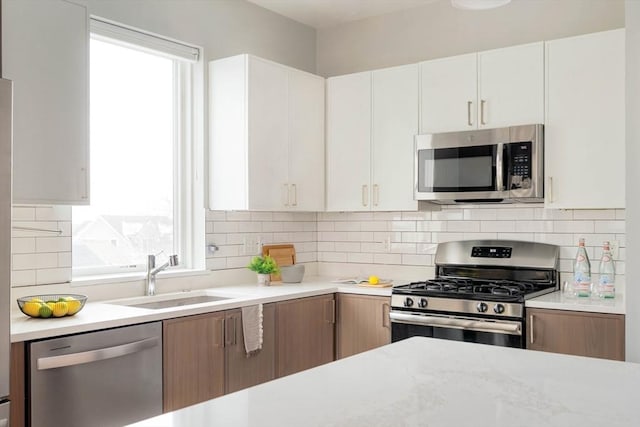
511,328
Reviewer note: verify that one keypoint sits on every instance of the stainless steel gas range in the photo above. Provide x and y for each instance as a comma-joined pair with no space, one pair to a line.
478,294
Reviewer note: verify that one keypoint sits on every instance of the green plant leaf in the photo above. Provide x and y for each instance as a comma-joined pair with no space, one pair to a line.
263,265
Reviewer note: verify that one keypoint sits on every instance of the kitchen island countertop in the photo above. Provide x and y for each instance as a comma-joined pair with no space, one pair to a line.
433,382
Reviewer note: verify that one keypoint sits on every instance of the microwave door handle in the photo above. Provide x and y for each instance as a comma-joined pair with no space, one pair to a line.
499,167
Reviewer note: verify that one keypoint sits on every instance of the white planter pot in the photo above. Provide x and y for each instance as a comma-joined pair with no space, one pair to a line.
264,279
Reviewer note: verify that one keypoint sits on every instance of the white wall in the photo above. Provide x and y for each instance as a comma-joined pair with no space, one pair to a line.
439,30
633,174
222,27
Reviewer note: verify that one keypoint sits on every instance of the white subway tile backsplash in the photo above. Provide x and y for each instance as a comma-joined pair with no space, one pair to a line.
397,238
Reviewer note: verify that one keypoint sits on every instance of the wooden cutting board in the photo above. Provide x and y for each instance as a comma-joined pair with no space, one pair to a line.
283,255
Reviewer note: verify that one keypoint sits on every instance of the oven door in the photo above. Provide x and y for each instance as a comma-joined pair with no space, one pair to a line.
458,172
505,333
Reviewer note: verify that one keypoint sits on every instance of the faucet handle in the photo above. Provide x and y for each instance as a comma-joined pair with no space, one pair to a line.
173,260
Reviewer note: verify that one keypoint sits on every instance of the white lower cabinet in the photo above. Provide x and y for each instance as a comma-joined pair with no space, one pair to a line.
585,122
372,118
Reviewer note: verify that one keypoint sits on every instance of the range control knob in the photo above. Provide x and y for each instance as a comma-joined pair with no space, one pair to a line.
482,307
498,308
422,303
408,302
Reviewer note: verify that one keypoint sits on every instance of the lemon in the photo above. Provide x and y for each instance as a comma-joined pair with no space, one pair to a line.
74,306
60,309
373,280
38,300
45,311
32,308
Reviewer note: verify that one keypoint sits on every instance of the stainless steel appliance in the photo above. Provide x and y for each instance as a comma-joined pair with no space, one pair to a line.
489,165
6,96
105,378
478,294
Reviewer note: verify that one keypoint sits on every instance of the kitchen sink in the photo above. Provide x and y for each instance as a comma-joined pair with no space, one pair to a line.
159,302
178,302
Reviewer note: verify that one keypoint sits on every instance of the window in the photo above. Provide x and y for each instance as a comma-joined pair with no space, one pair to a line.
144,180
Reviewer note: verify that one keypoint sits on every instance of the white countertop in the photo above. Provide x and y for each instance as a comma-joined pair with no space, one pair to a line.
433,382
561,301
101,315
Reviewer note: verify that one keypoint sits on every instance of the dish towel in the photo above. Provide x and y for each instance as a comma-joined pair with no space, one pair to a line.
252,328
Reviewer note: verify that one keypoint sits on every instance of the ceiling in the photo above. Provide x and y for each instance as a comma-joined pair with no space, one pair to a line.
327,13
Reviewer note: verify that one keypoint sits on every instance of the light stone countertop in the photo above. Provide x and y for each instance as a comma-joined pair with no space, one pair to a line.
433,382
101,315
561,301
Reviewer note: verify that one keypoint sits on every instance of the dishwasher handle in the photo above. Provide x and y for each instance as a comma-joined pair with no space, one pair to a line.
73,359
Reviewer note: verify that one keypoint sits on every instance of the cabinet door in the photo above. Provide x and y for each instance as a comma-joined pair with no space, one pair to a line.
511,86
362,324
45,52
193,359
349,142
394,126
585,122
17,389
306,141
305,333
268,135
448,94
577,333
244,371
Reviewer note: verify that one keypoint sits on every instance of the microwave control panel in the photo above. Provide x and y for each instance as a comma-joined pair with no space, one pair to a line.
520,165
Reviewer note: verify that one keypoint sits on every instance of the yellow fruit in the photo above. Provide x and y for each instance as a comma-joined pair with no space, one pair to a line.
74,306
51,304
373,280
45,311
36,300
32,308
60,309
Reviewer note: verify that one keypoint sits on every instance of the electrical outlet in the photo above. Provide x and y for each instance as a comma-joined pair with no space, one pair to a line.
614,245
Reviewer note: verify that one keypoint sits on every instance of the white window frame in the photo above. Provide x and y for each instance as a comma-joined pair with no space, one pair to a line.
188,191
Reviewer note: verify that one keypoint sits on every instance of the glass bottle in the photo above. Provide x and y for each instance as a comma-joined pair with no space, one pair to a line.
606,285
582,272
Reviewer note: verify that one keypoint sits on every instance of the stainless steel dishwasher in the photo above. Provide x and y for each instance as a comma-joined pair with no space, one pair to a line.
105,378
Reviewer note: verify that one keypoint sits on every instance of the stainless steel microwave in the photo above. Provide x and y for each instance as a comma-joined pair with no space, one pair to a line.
503,165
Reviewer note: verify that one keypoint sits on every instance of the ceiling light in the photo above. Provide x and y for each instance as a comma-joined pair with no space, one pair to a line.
478,4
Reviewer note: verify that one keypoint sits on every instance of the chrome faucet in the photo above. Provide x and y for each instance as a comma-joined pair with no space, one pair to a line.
152,270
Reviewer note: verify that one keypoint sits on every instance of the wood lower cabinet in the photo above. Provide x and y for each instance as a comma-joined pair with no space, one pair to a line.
362,323
242,371
17,385
578,333
193,359
305,333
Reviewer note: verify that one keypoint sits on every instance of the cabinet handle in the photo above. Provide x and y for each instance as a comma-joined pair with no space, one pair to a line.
386,322
365,195
550,189
230,332
295,195
84,179
219,331
376,194
285,194
482,104
469,105
531,337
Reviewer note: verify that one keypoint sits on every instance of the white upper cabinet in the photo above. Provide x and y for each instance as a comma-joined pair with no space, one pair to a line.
45,51
372,118
585,121
496,88
349,142
395,124
449,92
266,136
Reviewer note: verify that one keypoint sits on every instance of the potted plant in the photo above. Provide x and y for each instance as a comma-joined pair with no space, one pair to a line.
264,266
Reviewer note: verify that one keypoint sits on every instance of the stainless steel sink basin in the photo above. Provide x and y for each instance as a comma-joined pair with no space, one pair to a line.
178,302
169,301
